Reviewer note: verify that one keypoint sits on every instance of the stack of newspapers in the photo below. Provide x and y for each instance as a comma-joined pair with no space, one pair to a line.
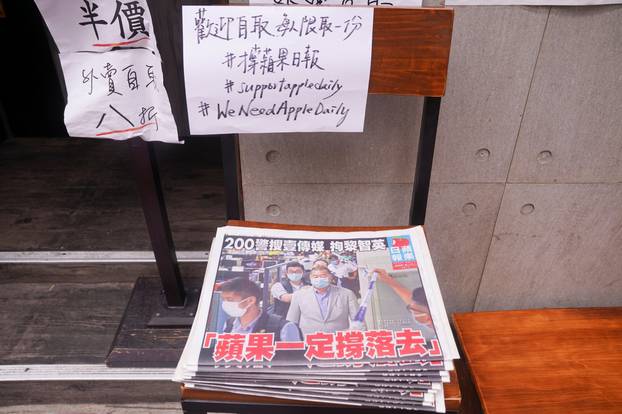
348,318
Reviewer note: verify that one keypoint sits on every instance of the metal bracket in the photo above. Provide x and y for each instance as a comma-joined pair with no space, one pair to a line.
173,316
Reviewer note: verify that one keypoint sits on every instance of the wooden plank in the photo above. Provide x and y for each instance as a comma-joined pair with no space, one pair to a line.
545,361
91,203
266,225
59,322
85,273
410,51
86,392
89,408
136,344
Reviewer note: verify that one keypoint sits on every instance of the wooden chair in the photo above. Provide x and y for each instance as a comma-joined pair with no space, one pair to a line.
410,54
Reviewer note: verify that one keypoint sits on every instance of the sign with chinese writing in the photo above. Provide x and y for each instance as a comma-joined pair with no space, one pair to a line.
117,95
265,69
398,3
98,25
111,93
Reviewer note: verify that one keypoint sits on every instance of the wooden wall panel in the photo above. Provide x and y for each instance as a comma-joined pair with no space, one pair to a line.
555,245
572,129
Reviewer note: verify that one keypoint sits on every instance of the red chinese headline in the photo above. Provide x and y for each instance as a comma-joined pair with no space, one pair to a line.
345,345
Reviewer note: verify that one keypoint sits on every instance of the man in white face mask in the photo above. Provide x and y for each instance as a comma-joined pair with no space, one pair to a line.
240,300
345,272
322,307
283,290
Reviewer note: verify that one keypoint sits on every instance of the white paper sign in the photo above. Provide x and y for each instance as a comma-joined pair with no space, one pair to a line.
397,3
529,2
117,95
271,69
98,25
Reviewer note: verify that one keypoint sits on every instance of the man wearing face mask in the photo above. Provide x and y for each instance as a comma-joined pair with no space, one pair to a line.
322,307
415,301
240,300
282,291
345,272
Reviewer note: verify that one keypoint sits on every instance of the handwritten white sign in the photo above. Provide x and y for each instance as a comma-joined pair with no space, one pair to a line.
272,69
397,3
98,25
111,93
117,95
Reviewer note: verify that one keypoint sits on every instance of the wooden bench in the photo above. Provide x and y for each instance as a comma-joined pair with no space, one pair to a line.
544,361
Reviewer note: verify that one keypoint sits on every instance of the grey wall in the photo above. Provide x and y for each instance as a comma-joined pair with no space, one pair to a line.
525,207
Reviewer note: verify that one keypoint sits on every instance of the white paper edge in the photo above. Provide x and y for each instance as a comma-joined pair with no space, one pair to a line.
530,2
433,294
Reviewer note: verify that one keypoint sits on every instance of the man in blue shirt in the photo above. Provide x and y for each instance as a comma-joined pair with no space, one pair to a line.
240,300
283,290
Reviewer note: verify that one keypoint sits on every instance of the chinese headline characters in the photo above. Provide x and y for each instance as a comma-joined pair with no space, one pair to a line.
341,345
129,16
304,246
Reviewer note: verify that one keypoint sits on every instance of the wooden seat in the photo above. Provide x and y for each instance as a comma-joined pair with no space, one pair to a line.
543,361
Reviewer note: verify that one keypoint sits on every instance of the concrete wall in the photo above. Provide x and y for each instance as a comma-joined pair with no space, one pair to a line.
525,207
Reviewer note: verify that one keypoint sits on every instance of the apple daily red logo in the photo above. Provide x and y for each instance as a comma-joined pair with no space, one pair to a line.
400,241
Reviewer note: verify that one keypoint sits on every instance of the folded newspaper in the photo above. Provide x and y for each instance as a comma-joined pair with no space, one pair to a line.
350,318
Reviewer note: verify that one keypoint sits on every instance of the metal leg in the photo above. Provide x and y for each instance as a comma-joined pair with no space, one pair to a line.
152,198
5,131
231,167
425,156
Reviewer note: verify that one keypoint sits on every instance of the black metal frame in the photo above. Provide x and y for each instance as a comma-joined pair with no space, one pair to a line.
230,149
425,157
154,208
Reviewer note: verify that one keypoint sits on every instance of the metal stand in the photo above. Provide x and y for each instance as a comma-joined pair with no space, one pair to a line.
425,157
155,303
233,184
5,131
148,181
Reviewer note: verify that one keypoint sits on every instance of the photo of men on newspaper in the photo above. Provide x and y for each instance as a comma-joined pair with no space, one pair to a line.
304,292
